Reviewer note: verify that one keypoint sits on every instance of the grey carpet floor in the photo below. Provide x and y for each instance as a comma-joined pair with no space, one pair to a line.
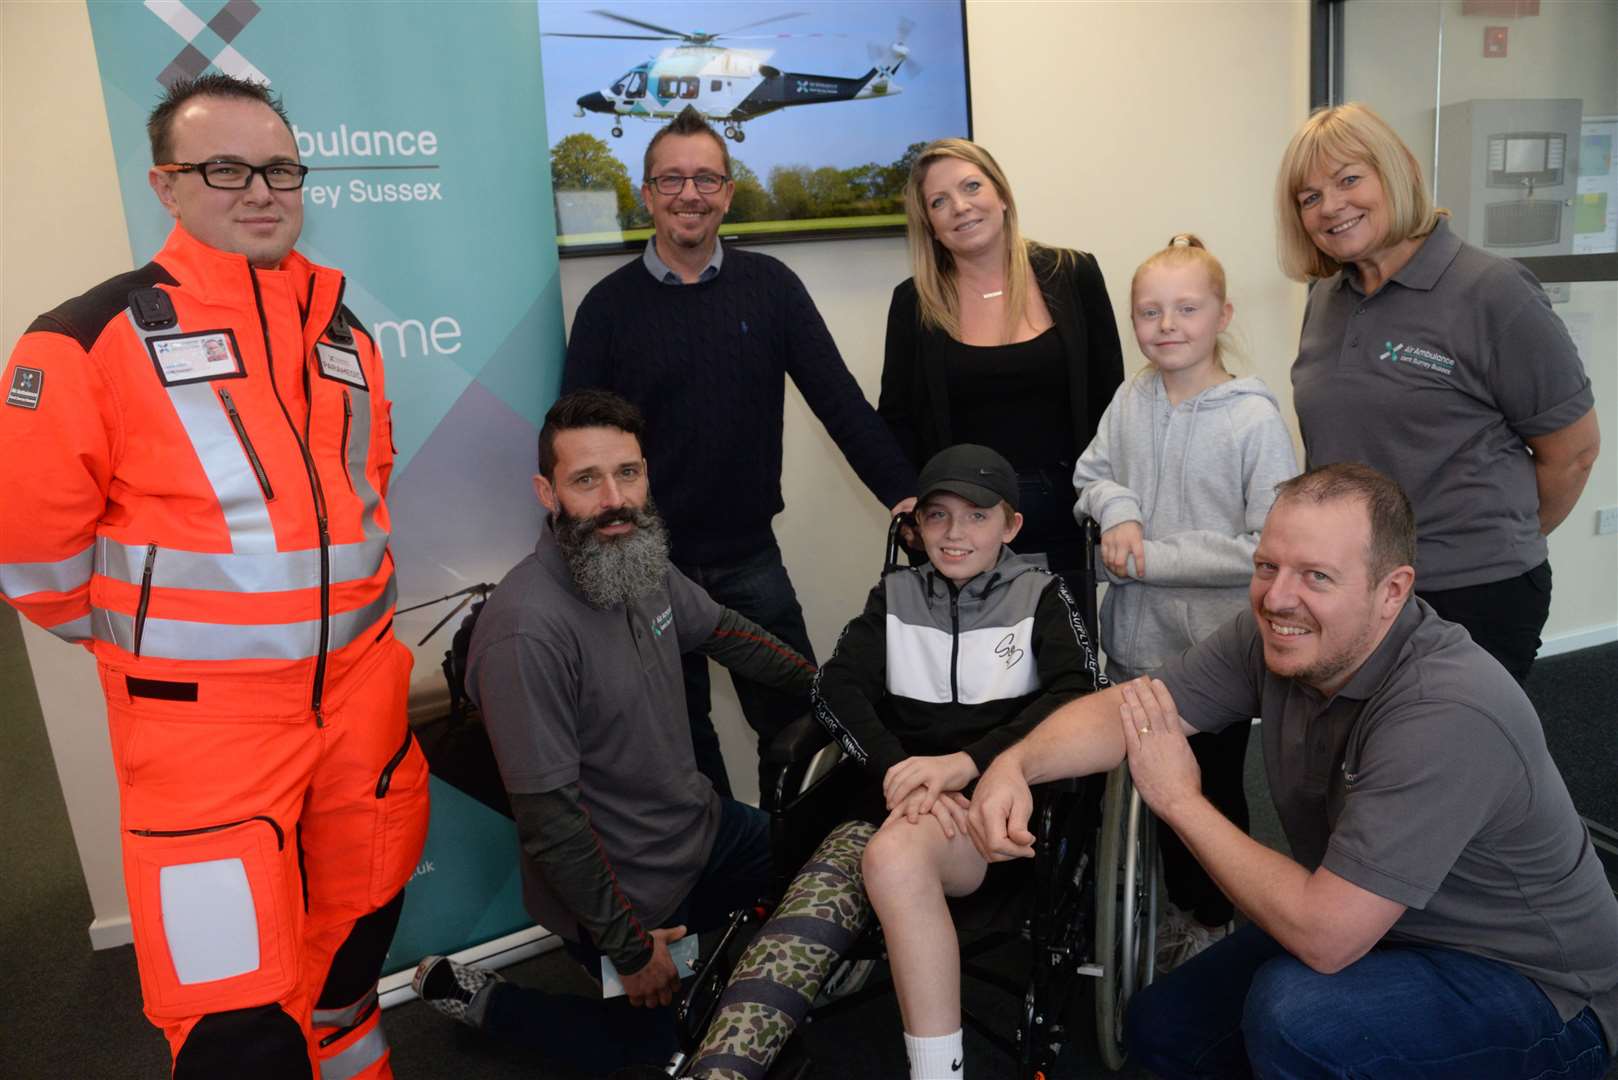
75,1013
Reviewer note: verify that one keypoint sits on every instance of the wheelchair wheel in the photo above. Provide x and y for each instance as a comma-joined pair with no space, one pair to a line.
1126,909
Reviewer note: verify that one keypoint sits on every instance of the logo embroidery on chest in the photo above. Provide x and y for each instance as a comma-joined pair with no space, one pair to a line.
663,621
1007,651
1417,357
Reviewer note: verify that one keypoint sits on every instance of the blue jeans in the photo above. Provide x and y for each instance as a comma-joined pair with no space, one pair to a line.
757,588
595,1036
1247,1007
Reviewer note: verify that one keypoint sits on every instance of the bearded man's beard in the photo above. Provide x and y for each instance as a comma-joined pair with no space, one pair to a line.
612,570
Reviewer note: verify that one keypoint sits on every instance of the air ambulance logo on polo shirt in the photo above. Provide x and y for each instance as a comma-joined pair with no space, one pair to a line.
26,383
664,620
1417,357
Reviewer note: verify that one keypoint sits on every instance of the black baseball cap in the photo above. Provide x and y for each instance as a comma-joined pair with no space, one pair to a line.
975,473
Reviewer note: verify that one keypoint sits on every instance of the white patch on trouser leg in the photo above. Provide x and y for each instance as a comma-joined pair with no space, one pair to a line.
209,920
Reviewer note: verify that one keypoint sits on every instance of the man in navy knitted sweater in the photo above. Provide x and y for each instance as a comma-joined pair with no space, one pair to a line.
701,337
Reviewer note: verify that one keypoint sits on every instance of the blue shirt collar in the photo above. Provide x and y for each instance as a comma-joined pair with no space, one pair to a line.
660,269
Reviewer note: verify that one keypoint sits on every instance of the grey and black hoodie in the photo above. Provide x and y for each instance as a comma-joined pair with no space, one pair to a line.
1200,478
932,668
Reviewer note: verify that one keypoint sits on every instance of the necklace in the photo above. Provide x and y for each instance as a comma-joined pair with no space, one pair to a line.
992,295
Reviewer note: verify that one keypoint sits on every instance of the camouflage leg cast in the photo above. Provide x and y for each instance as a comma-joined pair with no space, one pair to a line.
770,992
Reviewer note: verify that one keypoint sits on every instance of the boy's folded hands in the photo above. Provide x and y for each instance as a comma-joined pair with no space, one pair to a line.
930,775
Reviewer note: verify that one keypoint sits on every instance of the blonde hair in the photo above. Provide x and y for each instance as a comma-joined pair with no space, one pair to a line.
931,264
1337,135
1187,249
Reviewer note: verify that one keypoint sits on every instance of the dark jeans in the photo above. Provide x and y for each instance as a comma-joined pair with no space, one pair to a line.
758,588
1048,527
596,1036
1504,617
1247,1007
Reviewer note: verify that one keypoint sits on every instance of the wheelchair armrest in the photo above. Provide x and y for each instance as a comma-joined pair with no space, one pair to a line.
784,763
798,741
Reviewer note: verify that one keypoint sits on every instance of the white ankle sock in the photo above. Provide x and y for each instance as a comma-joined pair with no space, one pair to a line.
936,1058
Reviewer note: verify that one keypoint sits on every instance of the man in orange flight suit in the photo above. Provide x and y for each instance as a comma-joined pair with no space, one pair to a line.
192,461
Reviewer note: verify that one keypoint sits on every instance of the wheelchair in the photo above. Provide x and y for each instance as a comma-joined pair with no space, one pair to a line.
1087,906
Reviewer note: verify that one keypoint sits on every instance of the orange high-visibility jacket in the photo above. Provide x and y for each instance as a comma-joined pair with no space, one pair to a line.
193,459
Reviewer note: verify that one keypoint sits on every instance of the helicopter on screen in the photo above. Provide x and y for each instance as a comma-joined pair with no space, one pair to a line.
730,85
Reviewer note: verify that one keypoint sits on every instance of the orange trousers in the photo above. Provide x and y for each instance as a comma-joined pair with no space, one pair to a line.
265,858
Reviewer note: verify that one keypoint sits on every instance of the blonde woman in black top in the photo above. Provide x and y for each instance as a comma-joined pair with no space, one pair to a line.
997,340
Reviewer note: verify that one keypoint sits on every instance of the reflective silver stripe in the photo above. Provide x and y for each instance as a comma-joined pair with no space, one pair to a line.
176,639
113,627
359,453
75,630
247,515
344,1018
64,575
353,1060
223,459
347,626
271,571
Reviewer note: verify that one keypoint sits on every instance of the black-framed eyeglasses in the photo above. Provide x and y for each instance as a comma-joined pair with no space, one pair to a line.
236,175
706,183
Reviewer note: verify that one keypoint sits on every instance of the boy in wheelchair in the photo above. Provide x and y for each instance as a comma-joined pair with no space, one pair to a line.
951,662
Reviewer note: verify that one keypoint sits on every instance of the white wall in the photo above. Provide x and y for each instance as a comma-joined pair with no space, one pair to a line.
1119,124
61,231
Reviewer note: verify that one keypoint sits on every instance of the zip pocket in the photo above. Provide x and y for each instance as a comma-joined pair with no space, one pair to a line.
280,837
145,595
348,420
384,781
247,444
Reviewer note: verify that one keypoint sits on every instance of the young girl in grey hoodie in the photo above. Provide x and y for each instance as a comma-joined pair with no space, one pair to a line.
1180,476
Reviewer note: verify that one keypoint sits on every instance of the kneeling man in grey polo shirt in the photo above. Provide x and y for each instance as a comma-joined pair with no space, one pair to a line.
1443,913
575,664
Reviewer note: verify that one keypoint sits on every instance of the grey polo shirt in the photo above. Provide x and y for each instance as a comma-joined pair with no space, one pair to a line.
1426,780
1437,379
572,693
660,269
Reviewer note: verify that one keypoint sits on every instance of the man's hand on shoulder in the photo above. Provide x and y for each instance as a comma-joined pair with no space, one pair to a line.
656,984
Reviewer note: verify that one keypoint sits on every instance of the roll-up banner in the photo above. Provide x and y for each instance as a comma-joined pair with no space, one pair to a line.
423,126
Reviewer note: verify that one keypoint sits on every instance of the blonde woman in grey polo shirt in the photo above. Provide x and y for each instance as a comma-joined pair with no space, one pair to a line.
1439,364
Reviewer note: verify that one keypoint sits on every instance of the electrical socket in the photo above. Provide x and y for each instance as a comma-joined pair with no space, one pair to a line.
1607,520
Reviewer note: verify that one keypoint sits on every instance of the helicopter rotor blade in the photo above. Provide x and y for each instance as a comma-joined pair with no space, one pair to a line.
439,625
905,26
482,588
615,37
643,25
761,22
779,37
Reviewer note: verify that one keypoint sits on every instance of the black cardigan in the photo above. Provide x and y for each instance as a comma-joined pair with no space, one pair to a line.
915,394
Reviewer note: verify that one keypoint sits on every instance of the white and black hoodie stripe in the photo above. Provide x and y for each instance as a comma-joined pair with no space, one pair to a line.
930,668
